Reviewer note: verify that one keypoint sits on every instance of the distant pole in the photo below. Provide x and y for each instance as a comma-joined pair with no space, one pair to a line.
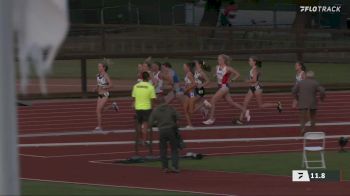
9,174
83,77
159,13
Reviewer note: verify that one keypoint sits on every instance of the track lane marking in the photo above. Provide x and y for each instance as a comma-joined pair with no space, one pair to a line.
202,128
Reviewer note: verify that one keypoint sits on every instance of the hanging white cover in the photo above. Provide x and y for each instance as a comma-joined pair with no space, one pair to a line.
41,26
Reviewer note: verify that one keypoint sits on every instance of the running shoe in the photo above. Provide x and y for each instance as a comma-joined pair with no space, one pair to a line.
115,106
189,127
209,122
238,122
247,115
166,170
98,129
147,143
207,104
174,170
279,107
308,123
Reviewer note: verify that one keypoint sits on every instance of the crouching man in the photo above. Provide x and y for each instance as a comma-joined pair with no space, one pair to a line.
166,117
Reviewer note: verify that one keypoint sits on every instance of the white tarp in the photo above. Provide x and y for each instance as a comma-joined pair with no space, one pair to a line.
41,26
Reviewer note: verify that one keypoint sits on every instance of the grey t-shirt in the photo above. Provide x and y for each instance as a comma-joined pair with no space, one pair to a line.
165,116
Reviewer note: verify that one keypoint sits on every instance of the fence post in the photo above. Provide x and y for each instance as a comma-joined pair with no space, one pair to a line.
274,18
103,39
83,77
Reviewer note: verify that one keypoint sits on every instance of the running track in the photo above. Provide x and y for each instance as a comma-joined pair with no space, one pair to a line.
69,124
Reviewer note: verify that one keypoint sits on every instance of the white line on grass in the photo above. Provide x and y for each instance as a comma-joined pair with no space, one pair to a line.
112,161
127,187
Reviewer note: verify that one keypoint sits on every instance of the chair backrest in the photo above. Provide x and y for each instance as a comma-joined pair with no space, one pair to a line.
314,136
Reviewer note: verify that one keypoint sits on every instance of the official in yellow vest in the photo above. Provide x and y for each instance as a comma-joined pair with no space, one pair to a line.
143,94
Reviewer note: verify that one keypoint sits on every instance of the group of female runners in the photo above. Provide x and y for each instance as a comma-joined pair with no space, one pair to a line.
191,94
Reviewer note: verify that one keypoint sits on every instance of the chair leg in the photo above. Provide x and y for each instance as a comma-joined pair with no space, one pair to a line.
303,161
306,164
323,160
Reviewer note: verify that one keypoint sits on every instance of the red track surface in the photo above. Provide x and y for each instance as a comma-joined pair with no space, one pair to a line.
81,164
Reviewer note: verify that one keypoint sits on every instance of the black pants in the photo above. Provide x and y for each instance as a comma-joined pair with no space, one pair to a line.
165,136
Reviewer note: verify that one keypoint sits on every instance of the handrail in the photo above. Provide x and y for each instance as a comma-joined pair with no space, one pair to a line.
129,6
71,56
97,10
199,28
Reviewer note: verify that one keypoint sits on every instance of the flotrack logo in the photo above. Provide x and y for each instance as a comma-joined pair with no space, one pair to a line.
322,9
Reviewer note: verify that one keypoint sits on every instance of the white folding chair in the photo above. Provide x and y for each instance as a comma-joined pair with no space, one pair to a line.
314,136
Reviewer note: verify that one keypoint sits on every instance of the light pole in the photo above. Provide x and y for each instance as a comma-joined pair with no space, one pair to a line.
9,174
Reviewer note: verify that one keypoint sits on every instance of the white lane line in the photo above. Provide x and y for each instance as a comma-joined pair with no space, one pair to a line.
187,149
155,142
67,117
268,96
203,128
127,123
28,111
34,156
127,187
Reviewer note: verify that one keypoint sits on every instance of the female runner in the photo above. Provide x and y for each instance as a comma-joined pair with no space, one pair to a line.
300,69
157,78
223,73
202,80
171,77
103,85
189,92
255,89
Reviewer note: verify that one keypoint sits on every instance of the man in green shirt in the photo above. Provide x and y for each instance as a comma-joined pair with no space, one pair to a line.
143,94
166,118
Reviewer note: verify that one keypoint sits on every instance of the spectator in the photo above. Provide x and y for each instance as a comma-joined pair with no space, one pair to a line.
143,93
305,92
166,119
227,18
231,8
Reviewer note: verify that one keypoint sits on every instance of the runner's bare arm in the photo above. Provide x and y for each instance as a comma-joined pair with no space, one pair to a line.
255,77
206,79
109,82
236,74
192,85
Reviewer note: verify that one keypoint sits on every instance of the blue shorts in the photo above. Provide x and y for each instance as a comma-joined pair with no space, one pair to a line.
178,90
191,94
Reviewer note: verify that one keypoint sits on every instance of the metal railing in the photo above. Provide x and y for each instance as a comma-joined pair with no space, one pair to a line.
98,16
82,16
282,7
131,10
